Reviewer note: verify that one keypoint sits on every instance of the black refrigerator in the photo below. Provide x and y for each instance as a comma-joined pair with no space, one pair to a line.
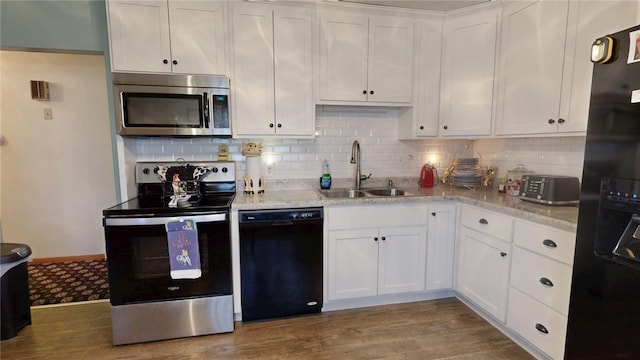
604,310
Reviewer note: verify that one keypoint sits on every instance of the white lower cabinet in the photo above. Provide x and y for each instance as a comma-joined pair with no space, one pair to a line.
376,250
540,285
539,325
519,272
483,271
441,237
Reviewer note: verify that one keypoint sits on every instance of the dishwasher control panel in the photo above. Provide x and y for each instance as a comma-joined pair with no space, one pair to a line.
281,214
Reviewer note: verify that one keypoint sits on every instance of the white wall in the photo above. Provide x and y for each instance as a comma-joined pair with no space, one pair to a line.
336,127
57,175
382,154
554,156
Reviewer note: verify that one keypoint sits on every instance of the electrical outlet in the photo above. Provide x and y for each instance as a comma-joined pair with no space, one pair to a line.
270,169
48,114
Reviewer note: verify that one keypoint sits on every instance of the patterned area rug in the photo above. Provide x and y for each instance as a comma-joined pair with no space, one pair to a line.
70,281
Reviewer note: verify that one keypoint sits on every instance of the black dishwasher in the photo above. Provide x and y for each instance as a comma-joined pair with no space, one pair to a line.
280,262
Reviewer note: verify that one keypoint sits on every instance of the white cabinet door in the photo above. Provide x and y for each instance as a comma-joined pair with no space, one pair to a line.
343,57
353,264
390,60
440,246
139,35
365,59
401,265
588,20
253,73
198,43
272,71
468,72
293,64
483,271
531,67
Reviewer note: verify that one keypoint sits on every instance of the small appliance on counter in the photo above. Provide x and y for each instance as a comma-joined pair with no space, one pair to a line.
428,176
550,189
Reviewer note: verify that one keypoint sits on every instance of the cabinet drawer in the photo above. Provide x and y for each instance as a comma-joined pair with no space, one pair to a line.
354,217
530,272
487,222
554,243
530,318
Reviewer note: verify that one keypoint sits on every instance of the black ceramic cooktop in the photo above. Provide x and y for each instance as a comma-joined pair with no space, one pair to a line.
158,206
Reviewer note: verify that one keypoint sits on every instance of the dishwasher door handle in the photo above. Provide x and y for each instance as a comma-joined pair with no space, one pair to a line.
281,223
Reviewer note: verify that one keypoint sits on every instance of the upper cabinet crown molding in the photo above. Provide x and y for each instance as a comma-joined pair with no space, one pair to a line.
365,59
160,36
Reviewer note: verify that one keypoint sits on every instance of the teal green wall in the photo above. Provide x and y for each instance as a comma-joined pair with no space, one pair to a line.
58,25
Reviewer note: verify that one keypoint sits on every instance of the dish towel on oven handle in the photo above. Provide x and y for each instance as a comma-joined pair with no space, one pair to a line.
184,253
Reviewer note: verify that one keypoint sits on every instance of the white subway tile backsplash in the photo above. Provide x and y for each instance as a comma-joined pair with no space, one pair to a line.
381,153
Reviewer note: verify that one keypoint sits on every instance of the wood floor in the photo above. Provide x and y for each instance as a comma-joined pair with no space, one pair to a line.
440,329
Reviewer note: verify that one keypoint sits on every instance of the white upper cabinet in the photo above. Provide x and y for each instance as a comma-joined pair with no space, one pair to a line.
533,42
272,63
588,20
468,68
365,59
421,120
186,37
545,72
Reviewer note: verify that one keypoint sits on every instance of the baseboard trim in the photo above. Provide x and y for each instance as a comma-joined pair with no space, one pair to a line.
68,258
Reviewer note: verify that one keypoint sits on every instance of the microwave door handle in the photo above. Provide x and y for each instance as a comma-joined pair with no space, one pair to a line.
205,100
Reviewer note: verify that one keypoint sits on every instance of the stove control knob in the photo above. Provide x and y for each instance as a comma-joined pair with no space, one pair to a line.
146,171
155,170
224,170
215,169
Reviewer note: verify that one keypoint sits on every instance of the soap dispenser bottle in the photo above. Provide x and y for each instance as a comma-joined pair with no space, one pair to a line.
325,180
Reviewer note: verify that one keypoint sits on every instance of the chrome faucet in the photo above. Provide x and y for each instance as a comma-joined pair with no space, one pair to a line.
355,159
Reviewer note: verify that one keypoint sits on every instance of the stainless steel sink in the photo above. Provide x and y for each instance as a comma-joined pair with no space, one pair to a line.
386,192
342,193
354,194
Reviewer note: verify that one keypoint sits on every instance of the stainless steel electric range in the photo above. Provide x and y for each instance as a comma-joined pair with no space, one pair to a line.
169,253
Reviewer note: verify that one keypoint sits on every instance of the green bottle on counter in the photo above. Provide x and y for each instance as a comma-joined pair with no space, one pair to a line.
325,180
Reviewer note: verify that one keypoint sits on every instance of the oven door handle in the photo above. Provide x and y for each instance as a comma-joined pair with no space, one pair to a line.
163,220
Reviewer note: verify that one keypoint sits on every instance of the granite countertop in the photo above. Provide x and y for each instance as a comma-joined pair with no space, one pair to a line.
562,217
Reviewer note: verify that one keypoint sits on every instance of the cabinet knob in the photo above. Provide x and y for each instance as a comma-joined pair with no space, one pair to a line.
433,214
445,127
375,238
279,125
364,92
383,238
503,254
175,62
483,221
421,127
371,92
551,121
165,61
271,125
542,328
546,282
549,243
561,121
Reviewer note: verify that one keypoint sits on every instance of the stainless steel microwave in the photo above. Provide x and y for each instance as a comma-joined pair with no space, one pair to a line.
171,105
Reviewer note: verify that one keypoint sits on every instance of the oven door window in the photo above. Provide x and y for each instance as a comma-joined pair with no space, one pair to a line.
163,110
139,267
